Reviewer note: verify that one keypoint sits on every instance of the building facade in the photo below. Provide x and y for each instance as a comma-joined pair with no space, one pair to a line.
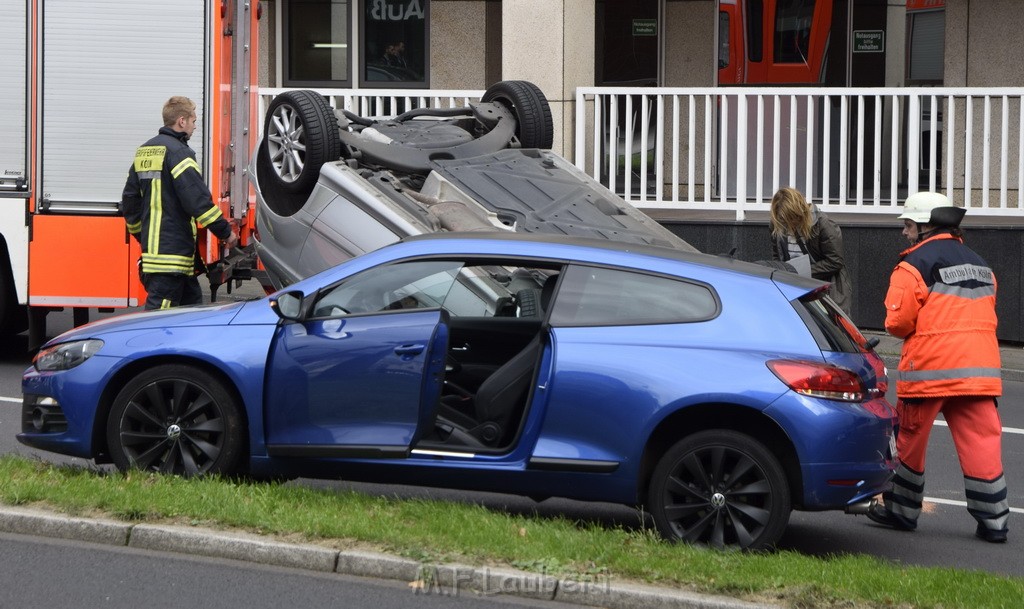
565,44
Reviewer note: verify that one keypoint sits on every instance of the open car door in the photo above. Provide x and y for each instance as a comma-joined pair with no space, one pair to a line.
355,385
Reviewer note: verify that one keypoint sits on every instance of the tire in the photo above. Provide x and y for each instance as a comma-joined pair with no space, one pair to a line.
13,316
176,419
720,488
300,134
533,114
529,303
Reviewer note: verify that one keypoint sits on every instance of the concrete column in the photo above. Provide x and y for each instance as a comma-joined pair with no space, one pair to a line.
458,44
690,58
993,41
895,43
550,43
954,72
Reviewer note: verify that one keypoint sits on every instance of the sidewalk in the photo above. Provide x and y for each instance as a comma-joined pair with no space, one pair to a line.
889,349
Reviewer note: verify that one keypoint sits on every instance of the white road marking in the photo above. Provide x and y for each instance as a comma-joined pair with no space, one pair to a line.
16,400
962,504
1005,429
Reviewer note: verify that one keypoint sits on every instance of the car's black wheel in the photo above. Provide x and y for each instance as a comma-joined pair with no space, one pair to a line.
721,488
300,134
176,419
533,114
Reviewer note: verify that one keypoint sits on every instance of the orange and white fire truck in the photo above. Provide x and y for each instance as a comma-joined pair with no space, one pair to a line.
82,85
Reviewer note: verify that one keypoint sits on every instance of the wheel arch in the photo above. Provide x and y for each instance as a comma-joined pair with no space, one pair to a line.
125,374
13,316
703,417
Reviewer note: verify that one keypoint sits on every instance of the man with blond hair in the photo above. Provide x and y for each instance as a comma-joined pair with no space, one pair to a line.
164,201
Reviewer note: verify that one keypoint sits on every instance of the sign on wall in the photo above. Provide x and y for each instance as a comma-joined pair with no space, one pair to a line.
924,5
645,27
868,41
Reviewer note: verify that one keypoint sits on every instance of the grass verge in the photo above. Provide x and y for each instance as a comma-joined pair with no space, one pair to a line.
439,532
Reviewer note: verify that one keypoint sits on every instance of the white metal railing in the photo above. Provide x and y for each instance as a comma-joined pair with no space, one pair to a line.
850,150
379,103
859,150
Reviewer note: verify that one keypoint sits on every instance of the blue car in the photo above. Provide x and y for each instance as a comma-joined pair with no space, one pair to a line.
718,394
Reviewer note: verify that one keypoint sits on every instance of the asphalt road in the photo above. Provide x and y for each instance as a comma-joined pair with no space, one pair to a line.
45,573
945,536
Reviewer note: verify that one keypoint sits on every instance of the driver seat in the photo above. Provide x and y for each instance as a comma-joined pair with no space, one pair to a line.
503,394
501,399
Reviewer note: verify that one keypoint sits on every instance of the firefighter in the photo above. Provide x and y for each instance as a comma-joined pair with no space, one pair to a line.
941,301
164,199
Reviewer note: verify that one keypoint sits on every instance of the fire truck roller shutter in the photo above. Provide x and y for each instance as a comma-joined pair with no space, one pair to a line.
106,74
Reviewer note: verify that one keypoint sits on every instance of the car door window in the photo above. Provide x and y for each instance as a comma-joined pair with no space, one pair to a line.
463,289
590,296
422,284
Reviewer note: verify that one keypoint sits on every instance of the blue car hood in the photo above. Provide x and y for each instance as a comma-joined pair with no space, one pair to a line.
255,312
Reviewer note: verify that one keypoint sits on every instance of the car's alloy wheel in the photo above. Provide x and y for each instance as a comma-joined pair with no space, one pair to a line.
177,420
534,127
720,488
300,134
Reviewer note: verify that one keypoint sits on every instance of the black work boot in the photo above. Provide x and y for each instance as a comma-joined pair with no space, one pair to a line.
988,534
880,514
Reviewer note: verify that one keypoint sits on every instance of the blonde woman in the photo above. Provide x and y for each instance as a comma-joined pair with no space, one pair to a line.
799,229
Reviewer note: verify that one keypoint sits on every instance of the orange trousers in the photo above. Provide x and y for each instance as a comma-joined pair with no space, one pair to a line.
973,422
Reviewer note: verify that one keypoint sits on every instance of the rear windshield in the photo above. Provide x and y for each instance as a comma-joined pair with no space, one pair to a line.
831,328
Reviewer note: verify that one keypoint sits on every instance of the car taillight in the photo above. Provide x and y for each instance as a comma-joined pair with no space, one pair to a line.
819,380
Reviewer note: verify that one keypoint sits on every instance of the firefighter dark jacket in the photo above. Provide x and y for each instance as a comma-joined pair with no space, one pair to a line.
942,302
164,200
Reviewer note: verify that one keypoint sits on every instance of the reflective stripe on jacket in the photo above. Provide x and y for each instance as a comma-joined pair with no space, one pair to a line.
163,200
941,301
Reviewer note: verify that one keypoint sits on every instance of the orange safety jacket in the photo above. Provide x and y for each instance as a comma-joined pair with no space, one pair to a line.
942,302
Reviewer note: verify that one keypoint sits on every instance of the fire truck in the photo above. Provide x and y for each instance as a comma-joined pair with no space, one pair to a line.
772,41
81,87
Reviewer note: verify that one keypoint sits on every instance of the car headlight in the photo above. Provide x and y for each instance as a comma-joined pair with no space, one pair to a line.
65,356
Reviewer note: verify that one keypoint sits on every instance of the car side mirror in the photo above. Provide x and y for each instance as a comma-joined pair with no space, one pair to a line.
288,305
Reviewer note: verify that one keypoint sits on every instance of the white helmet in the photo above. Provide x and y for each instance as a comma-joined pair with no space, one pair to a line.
932,208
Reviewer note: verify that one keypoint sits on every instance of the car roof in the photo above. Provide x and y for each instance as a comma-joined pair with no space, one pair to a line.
722,262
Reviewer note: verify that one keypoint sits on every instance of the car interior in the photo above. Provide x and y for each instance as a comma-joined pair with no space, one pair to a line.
489,372
496,316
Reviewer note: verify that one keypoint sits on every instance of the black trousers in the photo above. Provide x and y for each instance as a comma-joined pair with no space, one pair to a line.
166,290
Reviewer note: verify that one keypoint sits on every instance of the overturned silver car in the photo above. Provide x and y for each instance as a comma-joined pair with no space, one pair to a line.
331,185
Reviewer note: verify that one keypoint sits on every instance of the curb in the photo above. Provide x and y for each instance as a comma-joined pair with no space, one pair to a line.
424,579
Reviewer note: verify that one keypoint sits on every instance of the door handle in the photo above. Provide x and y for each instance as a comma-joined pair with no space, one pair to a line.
409,350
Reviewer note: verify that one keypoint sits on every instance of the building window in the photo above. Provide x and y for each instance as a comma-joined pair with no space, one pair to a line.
926,42
723,40
317,37
793,30
395,45
755,30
